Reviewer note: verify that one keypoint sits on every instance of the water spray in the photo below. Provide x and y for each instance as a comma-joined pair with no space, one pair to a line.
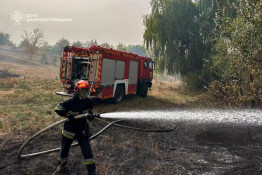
98,117
244,117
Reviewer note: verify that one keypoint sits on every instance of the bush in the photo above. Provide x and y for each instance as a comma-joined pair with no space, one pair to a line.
192,82
5,39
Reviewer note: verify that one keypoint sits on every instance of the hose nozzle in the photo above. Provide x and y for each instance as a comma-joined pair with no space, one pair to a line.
91,117
96,115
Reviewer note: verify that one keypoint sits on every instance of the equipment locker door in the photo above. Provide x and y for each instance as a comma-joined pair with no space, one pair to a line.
108,72
120,70
133,72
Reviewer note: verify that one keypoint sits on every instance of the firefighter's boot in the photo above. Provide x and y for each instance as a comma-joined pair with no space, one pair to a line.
92,173
61,166
91,167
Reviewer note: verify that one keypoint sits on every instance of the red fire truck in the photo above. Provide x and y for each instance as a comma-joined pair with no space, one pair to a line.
110,73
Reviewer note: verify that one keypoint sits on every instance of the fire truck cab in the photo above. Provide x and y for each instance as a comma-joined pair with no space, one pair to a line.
110,73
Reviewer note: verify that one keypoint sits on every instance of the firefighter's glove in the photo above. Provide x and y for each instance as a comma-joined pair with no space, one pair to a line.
90,117
71,118
90,112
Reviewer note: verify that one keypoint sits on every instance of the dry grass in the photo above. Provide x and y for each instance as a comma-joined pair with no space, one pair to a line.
27,101
169,92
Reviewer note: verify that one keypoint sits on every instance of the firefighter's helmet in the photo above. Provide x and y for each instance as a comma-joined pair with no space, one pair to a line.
82,84
81,88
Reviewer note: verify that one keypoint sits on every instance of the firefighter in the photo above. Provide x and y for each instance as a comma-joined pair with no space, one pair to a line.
76,128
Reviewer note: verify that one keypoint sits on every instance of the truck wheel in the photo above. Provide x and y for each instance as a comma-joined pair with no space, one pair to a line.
145,91
119,94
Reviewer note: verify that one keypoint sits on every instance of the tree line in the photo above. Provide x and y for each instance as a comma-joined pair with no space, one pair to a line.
33,44
213,44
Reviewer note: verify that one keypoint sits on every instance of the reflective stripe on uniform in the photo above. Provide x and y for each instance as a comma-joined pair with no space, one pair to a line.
89,161
67,134
59,108
62,160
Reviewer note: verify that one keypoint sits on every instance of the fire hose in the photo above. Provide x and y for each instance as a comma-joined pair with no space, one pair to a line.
109,124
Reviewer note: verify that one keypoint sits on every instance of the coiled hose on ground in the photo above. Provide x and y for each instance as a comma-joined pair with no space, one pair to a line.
109,124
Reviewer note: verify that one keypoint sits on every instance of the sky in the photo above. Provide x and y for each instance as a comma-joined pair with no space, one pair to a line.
111,21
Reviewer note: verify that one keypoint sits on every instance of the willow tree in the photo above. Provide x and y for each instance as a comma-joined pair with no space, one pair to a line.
181,33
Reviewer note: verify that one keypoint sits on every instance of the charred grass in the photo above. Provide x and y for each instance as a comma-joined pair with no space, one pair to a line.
191,149
27,105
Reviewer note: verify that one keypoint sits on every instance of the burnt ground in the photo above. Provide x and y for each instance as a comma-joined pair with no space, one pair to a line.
190,149
6,74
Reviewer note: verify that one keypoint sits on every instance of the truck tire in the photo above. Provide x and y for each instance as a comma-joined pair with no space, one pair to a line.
119,94
144,94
